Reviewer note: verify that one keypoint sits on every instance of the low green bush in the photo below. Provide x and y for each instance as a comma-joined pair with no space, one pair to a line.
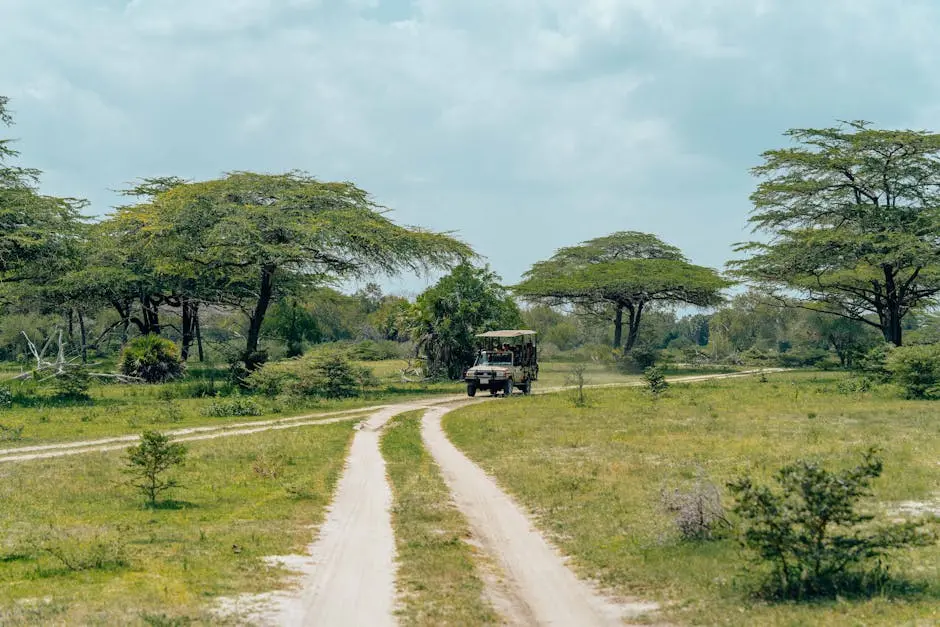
72,384
152,358
810,533
232,406
326,375
916,369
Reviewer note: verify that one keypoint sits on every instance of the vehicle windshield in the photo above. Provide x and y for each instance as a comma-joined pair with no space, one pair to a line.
493,359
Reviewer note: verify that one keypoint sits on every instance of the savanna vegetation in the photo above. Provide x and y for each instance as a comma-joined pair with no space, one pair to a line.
209,303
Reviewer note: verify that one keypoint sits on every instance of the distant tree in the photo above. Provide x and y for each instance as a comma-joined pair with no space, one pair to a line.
853,219
848,338
446,317
254,238
292,323
621,273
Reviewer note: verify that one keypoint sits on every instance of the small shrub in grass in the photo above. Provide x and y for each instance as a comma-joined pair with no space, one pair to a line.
82,550
854,385
809,533
11,434
152,358
638,359
576,378
6,398
236,405
326,375
149,461
655,380
874,363
72,383
696,511
916,369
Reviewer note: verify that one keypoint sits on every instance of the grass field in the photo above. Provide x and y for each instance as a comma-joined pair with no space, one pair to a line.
37,418
242,499
437,580
593,476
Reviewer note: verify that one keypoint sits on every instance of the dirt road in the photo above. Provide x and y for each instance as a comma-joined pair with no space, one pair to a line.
543,589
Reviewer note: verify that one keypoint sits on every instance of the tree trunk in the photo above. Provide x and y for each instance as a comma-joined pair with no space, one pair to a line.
186,328
198,328
891,319
84,336
618,327
633,331
253,359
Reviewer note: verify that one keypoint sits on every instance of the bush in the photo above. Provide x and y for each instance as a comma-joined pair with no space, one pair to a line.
11,434
326,375
916,369
874,363
809,532
638,359
151,358
79,551
148,461
802,357
854,385
233,406
371,350
697,511
655,380
73,383
6,398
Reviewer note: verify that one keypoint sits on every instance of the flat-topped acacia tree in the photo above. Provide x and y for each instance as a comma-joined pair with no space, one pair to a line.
621,273
249,239
852,216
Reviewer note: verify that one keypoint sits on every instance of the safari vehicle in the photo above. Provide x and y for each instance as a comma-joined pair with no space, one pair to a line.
506,360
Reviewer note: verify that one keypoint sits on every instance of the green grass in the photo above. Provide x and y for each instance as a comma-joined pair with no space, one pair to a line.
437,578
592,477
259,493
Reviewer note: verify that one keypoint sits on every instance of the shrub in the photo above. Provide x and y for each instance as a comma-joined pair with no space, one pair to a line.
638,359
697,511
327,375
370,350
236,405
802,357
854,385
809,532
73,383
916,369
11,434
576,378
150,460
152,358
6,398
81,550
655,380
874,363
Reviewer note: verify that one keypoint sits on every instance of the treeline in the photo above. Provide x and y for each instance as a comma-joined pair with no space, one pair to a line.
244,268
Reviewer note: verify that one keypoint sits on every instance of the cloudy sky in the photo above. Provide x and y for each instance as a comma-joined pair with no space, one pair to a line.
524,125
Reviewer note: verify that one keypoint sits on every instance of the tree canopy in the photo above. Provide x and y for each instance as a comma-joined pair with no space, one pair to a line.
447,316
622,272
252,238
852,216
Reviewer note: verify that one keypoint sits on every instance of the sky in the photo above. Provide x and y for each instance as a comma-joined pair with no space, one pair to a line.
520,125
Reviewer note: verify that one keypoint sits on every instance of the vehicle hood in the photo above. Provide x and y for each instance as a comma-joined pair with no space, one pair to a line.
479,370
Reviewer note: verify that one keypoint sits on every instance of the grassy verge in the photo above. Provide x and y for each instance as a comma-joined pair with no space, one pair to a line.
437,581
593,478
242,499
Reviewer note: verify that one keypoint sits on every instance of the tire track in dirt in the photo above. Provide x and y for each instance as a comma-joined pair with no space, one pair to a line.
348,577
541,589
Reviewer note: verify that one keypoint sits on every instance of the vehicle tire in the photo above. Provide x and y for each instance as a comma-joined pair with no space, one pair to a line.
508,389
527,387
471,389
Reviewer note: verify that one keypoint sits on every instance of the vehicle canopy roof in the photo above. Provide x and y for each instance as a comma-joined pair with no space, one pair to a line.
507,333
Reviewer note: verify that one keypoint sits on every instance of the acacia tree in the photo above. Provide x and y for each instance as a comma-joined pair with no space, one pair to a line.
249,239
38,233
446,317
621,273
853,219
